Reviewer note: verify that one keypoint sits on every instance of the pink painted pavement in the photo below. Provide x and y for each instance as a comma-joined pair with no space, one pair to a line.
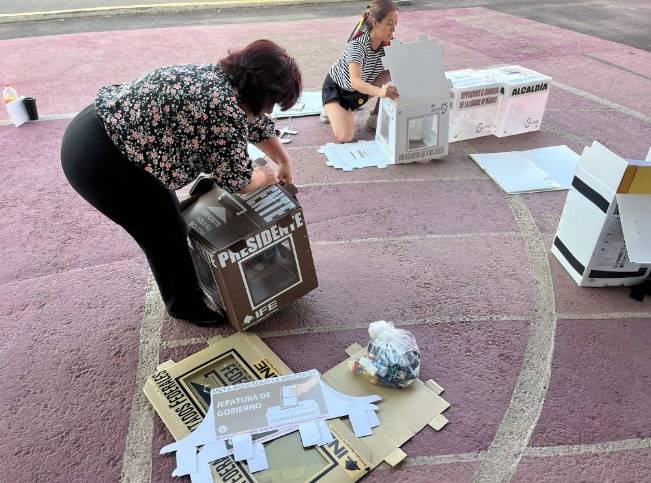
465,265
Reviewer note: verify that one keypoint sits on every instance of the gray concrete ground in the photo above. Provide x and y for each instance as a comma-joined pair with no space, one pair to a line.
623,21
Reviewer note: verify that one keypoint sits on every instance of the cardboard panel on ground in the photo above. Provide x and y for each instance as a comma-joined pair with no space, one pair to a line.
180,393
251,251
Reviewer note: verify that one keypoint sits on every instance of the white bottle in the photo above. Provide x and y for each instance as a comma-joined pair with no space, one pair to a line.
9,94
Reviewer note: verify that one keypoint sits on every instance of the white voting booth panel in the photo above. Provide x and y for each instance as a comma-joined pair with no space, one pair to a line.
604,235
523,100
475,104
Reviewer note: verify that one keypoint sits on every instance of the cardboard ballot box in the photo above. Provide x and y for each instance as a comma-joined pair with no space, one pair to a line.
251,251
180,394
523,100
412,128
604,235
475,104
415,126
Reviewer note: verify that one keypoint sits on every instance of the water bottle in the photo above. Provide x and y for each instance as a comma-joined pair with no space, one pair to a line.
9,94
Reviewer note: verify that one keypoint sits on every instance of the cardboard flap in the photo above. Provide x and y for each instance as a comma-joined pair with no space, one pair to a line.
353,349
634,212
436,388
516,74
165,365
417,69
636,180
214,340
395,457
603,165
439,422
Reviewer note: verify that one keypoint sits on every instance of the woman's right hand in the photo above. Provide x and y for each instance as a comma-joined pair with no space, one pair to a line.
389,90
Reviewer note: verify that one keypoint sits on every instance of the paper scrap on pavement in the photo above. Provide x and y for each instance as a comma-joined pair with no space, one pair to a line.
362,154
545,169
308,104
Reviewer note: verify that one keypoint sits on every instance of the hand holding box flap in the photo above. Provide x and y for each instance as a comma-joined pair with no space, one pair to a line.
635,214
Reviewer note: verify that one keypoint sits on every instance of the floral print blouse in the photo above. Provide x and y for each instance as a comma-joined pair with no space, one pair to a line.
181,120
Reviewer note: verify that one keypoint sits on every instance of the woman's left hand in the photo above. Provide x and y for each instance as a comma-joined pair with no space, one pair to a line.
285,172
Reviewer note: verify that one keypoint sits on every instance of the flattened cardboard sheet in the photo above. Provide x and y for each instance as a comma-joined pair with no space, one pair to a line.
544,169
180,394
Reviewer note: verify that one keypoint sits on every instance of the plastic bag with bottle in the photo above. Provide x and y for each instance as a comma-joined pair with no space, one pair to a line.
392,357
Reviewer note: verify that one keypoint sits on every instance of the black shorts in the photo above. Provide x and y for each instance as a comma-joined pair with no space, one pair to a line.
348,100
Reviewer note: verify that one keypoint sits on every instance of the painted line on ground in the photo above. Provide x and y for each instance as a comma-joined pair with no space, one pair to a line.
604,102
44,118
153,7
534,452
605,316
136,459
320,329
429,236
519,421
67,272
326,184
618,67
587,449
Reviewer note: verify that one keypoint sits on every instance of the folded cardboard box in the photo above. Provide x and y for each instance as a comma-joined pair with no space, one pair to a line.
524,94
180,393
251,251
413,127
475,104
604,235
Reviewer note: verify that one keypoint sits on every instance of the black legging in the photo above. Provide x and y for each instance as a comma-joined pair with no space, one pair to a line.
137,201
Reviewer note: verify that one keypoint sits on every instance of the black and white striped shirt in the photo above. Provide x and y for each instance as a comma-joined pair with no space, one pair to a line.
358,51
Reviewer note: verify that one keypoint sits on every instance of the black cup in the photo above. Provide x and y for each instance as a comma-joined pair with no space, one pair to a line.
30,107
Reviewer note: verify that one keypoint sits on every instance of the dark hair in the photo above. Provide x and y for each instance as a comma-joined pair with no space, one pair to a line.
264,74
378,10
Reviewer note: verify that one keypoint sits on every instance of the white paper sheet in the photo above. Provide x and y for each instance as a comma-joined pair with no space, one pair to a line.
635,215
309,104
325,436
362,154
259,460
242,447
17,111
309,433
544,169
